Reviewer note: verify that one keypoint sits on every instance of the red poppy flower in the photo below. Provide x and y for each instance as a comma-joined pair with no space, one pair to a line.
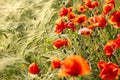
95,4
69,9
98,21
80,19
108,50
117,25
60,43
71,25
101,21
117,42
107,8
73,66
60,26
110,2
101,64
85,31
91,4
63,11
114,19
88,3
108,70
110,47
56,63
70,15
33,68
81,8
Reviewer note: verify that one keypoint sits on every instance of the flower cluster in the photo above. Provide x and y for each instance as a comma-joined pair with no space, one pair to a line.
75,65
83,24
73,20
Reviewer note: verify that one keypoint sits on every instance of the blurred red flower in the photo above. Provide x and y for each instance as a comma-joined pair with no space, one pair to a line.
33,68
95,4
107,8
98,21
85,31
70,15
64,11
108,70
80,19
88,3
71,25
117,41
56,63
60,26
115,19
108,50
73,66
81,8
60,43
70,9
111,46
91,4
110,2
